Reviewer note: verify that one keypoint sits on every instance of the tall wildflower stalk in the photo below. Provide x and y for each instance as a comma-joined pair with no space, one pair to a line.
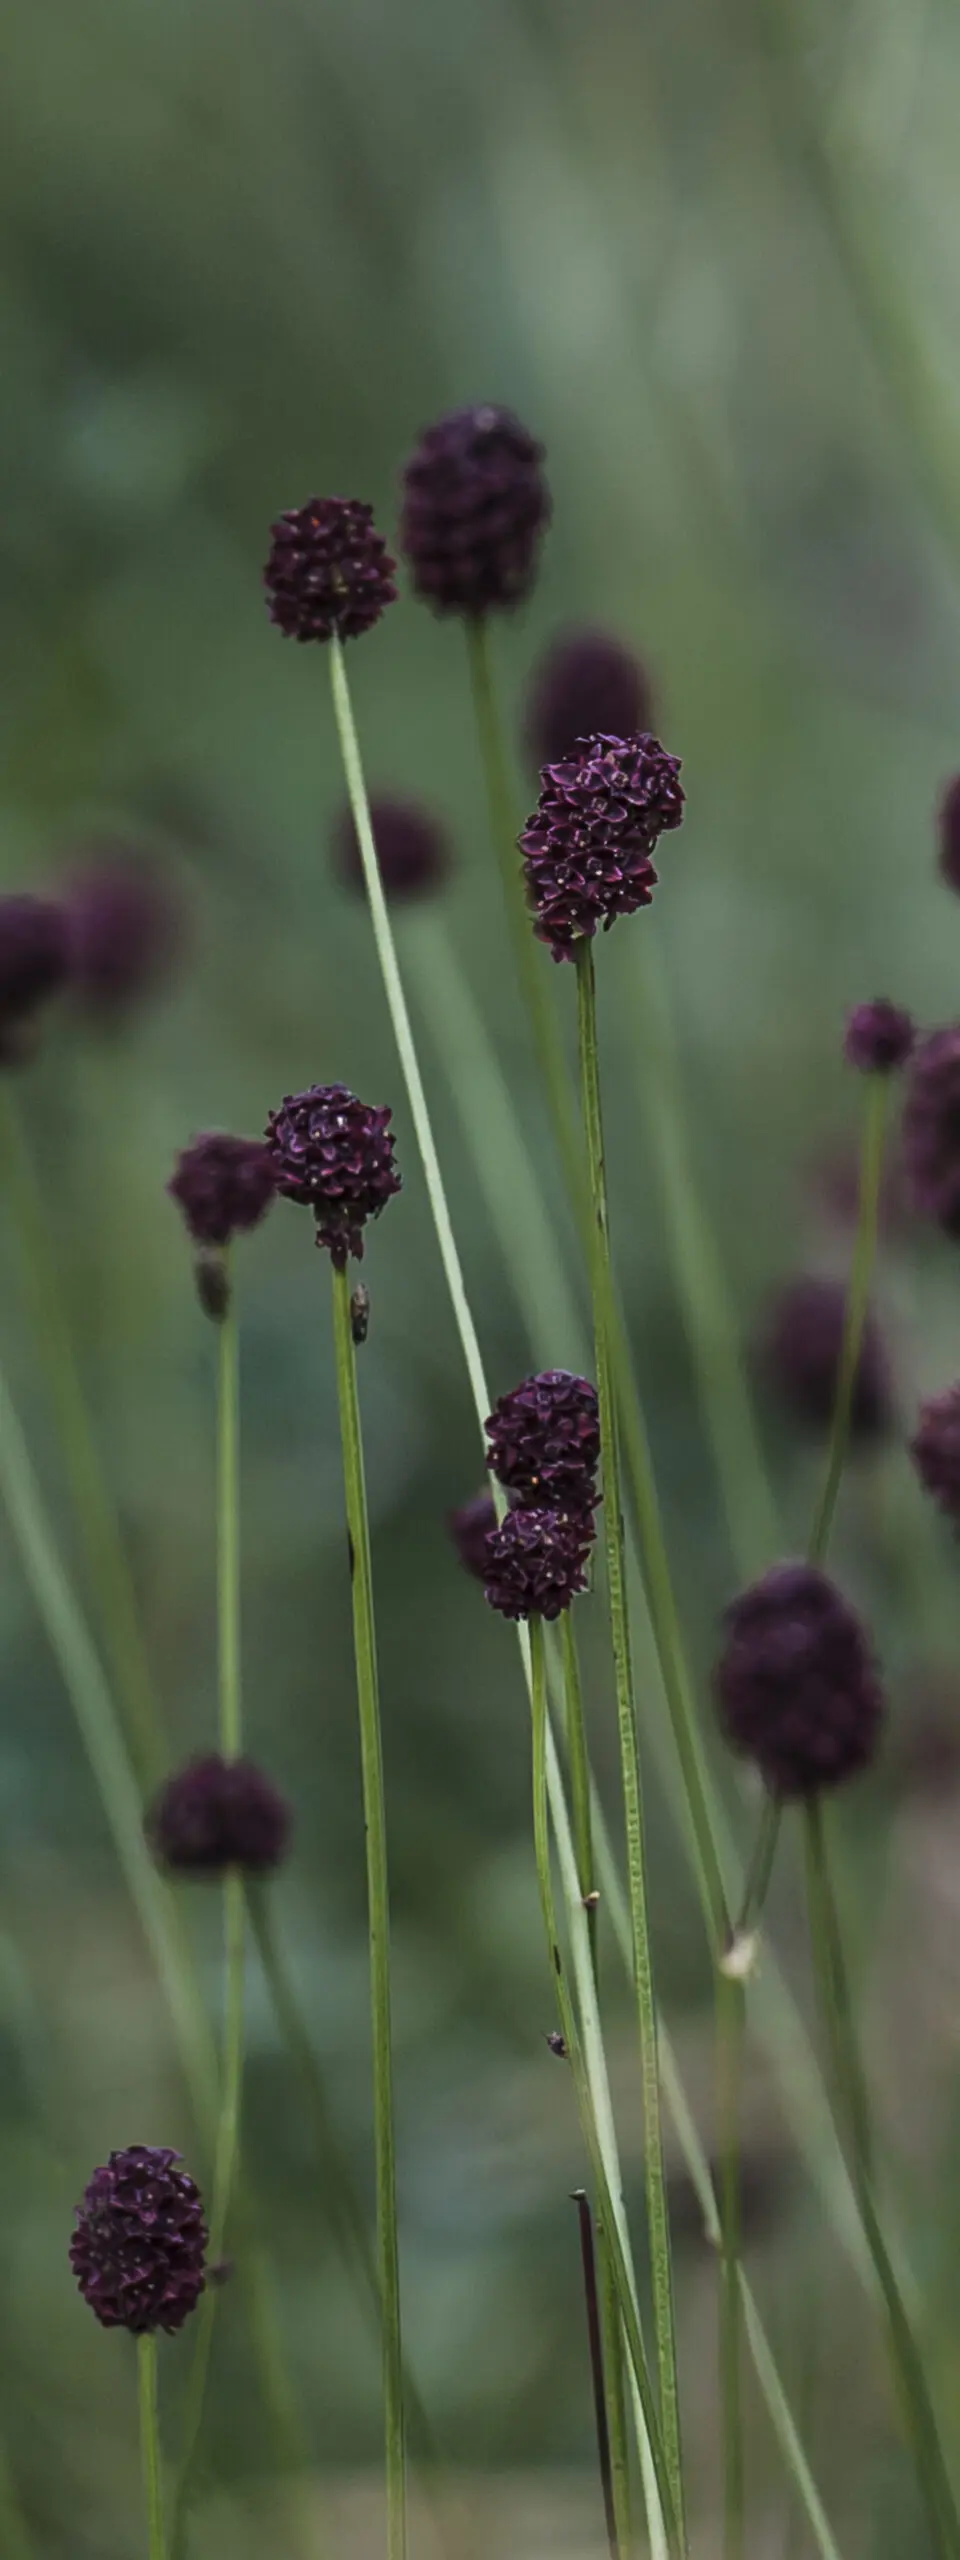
602,1292
150,2445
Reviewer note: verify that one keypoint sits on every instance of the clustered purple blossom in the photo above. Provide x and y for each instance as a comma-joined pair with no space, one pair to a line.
470,1527
329,574
879,1037
475,504
935,1450
931,1128
140,2242
801,1356
214,1814
588,847
543,1445
223,1186
124,927
588,684
34,965
334,1155
797,1686
413,850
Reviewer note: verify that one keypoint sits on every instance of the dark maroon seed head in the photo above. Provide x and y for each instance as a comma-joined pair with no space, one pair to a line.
214,1814
470,1529
413,850
543,1441
334,1155
475,504
587,685
797,1687
329,574
536,1562
931,1128
140,2241
801,1354
878,1038
34,965
948,830
223,1186
125,924
935,1450
588,848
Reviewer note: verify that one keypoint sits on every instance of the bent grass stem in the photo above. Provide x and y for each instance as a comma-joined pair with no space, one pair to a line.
378,1908
150,2445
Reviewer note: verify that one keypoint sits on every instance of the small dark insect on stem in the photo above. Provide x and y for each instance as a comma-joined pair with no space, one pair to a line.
588,2254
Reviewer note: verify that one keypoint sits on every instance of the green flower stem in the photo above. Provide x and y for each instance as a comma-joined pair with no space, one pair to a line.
759,1873
670,2509
602,1290
106,1565
533,984
853,2120
557,1084
864,1252
731,2021
150,2445
228,1532
579,1768
708,1313
596,2081
368,1701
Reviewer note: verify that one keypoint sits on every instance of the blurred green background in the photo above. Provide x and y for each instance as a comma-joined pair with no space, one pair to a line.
248,254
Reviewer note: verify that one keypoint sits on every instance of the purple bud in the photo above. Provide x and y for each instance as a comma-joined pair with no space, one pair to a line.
216,1813
797,1686
223,1186
588,848
587,685
536,1562
475,504
125,924
802,1358
329,574
543,1441
140,2241
879,1037
334,1155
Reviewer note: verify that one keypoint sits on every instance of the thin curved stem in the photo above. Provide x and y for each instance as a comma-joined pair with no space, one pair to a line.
101,1542
731,2021
378,1909
591,2297
596,2081
864,1252
228,1532
579,1768
670,2511
612,1515
150,2445
853,2118
758,1876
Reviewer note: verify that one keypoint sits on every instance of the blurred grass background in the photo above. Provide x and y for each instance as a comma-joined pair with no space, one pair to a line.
708,257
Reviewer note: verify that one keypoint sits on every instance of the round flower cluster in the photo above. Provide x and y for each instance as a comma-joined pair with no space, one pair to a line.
334,1155
223,1186
878,1038
587,683
475,505
796,1683
588,848
543,1444
140,2241
329,574
214,1814
125,925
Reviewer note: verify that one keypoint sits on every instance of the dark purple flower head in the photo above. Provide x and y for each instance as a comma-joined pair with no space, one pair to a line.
587,685
475,504
216,1813
34,965
935,1450
470,1528
543,1441
948,828
802,1358
797,1686
223,1185
125,924
931,1128
536,1562
140,2241
413,849
329,575
878,1037
334,1155
589,845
